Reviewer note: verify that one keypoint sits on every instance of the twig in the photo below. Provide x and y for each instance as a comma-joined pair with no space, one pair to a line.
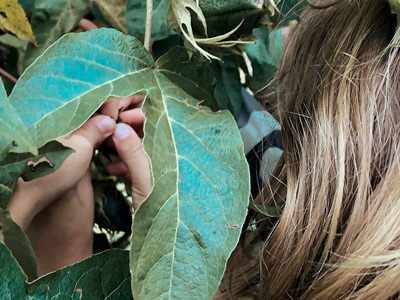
8,75
149,17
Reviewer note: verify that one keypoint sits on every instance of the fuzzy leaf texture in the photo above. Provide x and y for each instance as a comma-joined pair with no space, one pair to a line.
192,220
13,19
103,276
187,228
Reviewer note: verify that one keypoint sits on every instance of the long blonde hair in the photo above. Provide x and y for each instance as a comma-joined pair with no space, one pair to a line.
339,175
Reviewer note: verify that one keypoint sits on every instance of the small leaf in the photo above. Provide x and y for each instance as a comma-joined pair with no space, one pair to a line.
200,175
17,241
136,19
269,211
68,96
15,165
265,56
103,276
50,20
13,19
114,13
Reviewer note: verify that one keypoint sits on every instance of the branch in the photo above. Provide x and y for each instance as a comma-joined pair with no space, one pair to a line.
8,75
149,16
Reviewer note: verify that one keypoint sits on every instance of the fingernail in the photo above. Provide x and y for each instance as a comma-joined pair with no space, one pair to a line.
106,124
122,131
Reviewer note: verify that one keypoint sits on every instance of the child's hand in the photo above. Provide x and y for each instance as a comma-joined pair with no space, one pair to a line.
127,142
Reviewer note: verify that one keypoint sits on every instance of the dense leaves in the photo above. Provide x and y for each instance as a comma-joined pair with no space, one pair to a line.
104,276
200,176
50,20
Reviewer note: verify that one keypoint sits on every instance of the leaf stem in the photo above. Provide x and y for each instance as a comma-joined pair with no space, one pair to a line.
149,16
8,75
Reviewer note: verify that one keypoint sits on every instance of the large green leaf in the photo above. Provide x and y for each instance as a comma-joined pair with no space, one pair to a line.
200,175
103,276
136,19
29,167
228,90
50,20
13,135
72,78
17,241
186,229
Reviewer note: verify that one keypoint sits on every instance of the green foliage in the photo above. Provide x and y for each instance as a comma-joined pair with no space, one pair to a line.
104,276
185,231
17,241
189,224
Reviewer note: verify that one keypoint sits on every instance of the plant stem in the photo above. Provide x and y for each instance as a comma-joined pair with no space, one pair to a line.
149,16
8,75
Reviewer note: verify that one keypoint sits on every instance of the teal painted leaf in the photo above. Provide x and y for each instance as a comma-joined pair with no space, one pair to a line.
74,76
17,241
50,20
136,19
29,167
13,135
103,276
189,225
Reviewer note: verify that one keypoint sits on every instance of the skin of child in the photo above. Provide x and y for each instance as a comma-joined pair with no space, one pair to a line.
57,211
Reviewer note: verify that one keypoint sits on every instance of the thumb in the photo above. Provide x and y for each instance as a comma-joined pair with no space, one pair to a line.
129,147
96,130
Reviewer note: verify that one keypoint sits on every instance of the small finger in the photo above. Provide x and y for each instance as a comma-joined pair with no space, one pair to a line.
129,147
131,101
110,108
87,25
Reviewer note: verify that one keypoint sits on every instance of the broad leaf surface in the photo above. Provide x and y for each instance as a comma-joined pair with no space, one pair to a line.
103,276
192,220
50,20
17,241
71,80
186,229
13,135
13,19
136,19
15,165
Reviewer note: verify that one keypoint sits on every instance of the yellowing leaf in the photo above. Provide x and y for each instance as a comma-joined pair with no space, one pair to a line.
14,20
